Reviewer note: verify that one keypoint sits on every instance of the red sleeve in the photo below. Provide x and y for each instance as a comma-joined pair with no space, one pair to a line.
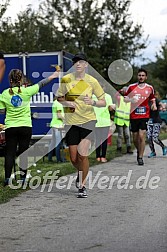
128,91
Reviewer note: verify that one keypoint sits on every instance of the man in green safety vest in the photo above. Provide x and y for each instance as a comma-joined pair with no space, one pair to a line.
122,121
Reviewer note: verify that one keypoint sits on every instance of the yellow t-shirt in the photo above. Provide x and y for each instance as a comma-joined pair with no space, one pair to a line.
76,90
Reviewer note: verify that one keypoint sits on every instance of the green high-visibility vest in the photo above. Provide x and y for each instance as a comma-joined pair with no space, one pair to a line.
122,113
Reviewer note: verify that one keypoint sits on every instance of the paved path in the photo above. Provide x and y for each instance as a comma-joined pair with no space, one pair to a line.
109,220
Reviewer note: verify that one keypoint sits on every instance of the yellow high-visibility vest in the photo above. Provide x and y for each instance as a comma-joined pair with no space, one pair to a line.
122,113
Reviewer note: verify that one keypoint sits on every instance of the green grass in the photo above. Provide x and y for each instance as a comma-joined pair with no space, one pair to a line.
6,193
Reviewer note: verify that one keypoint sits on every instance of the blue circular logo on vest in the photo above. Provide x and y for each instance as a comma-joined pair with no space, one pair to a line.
16,101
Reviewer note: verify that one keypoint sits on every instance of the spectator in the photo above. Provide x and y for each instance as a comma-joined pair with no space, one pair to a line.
153,129
122,121
15,102
102,128
57,124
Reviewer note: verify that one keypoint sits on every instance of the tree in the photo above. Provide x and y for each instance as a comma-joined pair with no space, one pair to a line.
3,7
161,62
101,29
104,32
30,32
159,72
5,24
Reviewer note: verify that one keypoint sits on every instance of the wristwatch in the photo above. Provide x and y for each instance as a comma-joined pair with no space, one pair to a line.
94,103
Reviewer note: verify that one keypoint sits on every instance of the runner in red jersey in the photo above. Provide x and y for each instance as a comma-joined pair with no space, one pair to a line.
139,94
142,94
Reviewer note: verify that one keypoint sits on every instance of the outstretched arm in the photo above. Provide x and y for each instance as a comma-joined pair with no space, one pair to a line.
45,81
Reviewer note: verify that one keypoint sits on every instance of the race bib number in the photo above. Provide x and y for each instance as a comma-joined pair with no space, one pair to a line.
140,111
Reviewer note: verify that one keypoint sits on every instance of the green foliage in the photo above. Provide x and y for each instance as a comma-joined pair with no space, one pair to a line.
103,30
3,7
5,24
157,71
29,33
160,68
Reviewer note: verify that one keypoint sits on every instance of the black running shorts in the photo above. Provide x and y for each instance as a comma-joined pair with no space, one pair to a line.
138,124
75,133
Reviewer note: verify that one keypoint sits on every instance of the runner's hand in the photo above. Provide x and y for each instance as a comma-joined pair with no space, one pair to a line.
88,100
134,100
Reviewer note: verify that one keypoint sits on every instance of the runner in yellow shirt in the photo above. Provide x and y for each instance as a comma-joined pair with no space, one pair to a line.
75,93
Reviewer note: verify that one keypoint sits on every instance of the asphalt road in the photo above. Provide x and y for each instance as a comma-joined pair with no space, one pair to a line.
130,214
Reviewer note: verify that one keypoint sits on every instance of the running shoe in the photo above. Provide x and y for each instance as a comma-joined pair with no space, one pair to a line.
140,161
152,154
164,150
82,193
